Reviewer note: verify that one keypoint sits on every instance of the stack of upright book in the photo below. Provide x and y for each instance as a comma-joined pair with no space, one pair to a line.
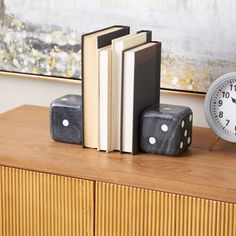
120,77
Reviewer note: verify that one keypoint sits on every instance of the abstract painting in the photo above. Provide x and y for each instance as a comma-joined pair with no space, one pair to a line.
43,37
40,37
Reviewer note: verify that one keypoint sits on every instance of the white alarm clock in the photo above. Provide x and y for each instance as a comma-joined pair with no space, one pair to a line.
220,107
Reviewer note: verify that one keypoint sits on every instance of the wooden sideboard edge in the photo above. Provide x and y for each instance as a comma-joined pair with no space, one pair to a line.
140,186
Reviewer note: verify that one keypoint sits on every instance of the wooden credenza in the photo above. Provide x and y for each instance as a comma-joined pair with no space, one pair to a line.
50,188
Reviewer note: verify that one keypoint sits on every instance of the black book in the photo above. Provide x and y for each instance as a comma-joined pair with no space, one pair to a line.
140,88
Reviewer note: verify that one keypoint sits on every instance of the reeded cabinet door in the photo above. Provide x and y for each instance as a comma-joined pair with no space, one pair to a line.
38,204
127,211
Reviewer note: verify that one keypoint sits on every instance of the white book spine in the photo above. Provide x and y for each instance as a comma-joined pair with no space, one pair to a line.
128,103
104,100
116,94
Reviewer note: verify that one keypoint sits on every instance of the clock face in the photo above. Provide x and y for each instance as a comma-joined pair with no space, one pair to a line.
220,107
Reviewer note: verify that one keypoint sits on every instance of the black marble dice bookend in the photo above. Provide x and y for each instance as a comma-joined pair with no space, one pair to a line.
166,129
66,119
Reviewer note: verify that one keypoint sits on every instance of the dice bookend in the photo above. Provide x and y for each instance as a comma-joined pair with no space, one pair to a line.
166,129
66,119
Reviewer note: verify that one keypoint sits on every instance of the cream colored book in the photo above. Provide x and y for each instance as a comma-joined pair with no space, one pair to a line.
105,113
118,46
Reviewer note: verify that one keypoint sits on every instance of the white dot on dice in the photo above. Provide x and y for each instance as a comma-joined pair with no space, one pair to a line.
189,140
64,99
190,117
164,128
152,140
181,145
185,133
167,108
182,124
65,123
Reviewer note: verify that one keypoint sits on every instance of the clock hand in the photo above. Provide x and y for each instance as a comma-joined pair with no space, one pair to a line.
233,100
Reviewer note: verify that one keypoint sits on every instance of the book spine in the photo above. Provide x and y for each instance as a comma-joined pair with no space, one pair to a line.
158,70
82,80
122,101
104,100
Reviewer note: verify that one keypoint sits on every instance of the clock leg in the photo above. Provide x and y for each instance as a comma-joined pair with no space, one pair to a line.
214,142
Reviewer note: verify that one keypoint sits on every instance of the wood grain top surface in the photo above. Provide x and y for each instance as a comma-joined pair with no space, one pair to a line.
25,143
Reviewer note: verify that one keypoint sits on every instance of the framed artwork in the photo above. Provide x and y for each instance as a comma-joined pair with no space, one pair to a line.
43,37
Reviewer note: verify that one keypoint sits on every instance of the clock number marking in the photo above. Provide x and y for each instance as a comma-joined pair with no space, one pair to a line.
226,94
220,103
227,122
221,114
233,87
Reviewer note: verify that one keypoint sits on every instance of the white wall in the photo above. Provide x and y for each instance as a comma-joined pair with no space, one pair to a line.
16,91
196,103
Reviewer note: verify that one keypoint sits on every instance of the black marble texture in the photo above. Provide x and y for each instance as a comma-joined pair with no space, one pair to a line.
166,129
66,119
